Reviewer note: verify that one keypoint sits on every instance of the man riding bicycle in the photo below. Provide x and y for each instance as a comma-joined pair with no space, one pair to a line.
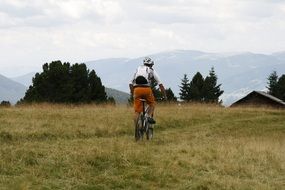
140,87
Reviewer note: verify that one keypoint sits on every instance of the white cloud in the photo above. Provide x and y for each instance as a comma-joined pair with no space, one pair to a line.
51,13
43,30
73,9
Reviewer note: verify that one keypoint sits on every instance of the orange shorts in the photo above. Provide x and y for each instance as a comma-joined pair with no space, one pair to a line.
142,93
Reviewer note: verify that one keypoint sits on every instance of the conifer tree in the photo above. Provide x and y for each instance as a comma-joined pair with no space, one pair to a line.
5,104
184,89
272,84
111,100
170,95
63,83
200,90
96,89
196,88
281,88
212,91
79,80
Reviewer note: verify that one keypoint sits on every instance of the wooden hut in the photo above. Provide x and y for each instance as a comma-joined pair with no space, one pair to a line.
260,99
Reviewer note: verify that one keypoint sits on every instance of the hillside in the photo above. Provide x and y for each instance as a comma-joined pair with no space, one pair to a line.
11,90
119,96
90,147
26,79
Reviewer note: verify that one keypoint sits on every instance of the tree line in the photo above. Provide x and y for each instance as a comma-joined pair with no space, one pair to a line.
197,90
65,83
201,89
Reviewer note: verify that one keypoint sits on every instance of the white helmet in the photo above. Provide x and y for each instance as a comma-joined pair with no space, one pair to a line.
148,62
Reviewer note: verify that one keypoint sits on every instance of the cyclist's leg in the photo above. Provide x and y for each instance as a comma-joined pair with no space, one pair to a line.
151,110
137,103
151,103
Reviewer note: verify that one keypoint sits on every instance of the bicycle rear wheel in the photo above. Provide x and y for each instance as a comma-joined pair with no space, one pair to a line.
138,128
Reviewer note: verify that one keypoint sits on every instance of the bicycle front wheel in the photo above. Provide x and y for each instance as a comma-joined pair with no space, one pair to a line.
149,133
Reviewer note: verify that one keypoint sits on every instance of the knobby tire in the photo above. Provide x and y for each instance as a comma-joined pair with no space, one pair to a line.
138,128
149,132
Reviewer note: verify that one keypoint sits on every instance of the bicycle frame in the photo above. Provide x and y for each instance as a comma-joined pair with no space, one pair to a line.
143,126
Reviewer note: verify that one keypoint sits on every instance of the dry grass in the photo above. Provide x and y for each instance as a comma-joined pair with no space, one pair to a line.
92,147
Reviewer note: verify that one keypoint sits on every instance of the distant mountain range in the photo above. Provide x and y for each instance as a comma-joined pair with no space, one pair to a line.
10,90
239,73
119,96
25,79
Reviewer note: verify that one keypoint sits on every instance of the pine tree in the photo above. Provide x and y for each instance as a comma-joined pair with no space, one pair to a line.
5,104
57,82
196,88
170,95
272,84
96,89
281,88
111,100
79,80
47,85
212,91
62,83
184,89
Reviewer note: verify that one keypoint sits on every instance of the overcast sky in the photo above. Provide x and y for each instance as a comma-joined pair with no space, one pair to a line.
33,32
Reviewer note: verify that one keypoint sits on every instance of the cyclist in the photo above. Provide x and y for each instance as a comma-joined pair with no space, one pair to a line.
140,87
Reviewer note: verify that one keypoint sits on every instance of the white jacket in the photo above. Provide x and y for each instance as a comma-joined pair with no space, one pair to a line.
148,73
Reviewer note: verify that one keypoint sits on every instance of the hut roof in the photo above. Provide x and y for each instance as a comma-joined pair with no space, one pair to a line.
271,97
264,94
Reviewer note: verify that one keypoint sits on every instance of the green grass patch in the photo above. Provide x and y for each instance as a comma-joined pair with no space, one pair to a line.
197,147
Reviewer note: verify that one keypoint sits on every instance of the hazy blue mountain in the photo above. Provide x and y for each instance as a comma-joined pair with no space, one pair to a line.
279,55
239,73
119,96
25,79
10,90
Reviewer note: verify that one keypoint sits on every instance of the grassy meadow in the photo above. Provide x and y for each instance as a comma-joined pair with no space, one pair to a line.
195,147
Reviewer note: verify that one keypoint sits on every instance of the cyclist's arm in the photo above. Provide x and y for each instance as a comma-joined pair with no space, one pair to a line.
156,77
161,87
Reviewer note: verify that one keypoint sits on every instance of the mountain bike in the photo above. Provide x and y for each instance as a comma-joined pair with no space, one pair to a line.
143,126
